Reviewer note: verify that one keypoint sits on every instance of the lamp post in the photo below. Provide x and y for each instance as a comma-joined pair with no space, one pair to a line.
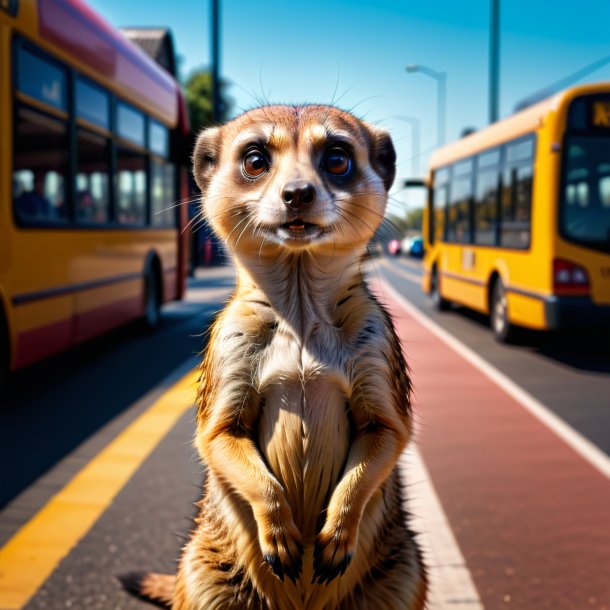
414,122
494,61
216,99
441,81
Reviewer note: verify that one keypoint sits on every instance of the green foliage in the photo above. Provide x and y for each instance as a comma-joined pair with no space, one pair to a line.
198,92
414,219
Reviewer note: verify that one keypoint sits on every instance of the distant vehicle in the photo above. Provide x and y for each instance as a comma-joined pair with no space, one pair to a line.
394,247
531,248
416,247
94,140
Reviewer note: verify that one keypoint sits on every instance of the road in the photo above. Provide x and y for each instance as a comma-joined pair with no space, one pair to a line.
527,505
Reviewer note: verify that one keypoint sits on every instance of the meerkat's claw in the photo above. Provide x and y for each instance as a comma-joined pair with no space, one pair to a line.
275,564
328,568
287,558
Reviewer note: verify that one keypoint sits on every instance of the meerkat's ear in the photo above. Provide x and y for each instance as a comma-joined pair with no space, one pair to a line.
382,155
205,156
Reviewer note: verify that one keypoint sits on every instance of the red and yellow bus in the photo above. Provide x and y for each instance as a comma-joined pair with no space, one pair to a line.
517,224
92,134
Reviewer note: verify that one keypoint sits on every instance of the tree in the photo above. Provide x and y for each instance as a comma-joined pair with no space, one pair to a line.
198,92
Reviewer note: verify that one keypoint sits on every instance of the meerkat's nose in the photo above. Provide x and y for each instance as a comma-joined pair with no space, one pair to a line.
298,192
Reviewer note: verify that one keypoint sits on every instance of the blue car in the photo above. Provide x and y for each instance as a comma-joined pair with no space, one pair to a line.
416,248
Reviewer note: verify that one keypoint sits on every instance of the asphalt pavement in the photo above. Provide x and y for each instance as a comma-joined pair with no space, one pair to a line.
530,522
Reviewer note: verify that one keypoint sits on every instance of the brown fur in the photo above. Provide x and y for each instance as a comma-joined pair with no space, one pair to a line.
304,402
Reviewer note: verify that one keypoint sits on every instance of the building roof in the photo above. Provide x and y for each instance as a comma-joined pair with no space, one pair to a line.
155,42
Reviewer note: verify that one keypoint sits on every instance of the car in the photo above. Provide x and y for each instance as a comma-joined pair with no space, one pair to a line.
416,247
394,247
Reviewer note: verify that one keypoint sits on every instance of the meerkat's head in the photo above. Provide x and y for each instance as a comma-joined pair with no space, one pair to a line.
307,177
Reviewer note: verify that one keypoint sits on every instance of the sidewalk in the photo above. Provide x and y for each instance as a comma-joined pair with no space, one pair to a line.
531,516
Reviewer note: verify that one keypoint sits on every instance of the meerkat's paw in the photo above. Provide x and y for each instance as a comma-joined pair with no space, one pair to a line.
282,550
333,553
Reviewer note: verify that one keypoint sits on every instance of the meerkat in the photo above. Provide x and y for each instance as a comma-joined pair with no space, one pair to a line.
304,401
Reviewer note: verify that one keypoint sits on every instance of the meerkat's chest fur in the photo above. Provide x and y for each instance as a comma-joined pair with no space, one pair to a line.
304,426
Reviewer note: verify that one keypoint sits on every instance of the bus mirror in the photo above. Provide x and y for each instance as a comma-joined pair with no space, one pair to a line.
415,183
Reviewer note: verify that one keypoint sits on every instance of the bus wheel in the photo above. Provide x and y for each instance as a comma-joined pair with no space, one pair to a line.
503,330
152,299
439,303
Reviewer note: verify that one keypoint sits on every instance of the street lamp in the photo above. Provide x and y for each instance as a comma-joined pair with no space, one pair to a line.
217,110
441,80
415,148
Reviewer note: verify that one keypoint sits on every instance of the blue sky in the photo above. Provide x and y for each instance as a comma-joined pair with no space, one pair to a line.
356,51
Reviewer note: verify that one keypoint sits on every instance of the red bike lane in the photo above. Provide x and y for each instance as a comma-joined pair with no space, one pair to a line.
530,514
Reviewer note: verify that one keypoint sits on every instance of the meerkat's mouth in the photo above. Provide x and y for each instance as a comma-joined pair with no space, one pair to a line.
298,228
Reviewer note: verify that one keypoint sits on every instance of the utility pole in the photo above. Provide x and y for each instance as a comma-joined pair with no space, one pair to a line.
494,61
216,98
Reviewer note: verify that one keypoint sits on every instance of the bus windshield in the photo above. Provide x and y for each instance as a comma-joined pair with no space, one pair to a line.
585,200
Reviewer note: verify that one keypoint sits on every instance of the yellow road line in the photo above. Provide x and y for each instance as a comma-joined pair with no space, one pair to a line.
30,556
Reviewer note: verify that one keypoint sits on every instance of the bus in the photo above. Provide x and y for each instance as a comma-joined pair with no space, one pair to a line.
93,135
517,220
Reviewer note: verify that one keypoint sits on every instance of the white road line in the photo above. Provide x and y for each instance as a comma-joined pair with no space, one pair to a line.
450,582
411,277
585,448
411,263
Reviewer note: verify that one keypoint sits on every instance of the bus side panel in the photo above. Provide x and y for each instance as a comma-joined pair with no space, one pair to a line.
116,261
170,285
101,309
526,311
42,303
460,281
463,292
42,327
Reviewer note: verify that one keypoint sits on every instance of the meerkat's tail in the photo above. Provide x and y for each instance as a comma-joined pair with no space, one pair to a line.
155,588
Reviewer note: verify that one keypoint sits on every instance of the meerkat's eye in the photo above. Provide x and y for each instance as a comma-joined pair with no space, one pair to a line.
336,161
255,163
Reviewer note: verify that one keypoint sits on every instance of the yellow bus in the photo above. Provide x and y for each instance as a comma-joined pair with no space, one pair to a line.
92,133
517,223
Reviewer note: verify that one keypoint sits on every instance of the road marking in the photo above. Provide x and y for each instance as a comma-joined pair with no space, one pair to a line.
585,448
450,584
411,263
30,556
407,275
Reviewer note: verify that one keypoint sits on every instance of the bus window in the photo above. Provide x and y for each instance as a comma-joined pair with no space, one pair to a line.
92,178
131,124
158,138
40,167
458,214
486,198
41,79
131,200
516,196
163,211
585,206
92,103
